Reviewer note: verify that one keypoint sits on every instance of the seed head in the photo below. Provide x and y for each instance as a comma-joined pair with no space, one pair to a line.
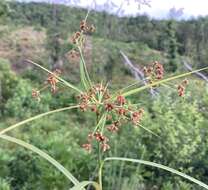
105,147
112,128
36,94
182,87
52,80
73,54
87,147
109,106
121,100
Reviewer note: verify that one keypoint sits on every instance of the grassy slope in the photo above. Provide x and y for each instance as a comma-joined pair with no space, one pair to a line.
18,43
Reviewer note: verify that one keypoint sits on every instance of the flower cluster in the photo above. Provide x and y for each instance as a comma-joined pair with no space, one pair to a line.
78,38
154,72
72,54
98,137
36,94
182,87
115,110
51,82
85,27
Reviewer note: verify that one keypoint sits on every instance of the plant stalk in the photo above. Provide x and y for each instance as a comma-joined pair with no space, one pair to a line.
100,174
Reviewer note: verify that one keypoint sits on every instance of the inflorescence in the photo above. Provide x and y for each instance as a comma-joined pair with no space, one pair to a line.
114,111
111,110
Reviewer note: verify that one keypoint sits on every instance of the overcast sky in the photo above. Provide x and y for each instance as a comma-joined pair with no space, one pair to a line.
158,9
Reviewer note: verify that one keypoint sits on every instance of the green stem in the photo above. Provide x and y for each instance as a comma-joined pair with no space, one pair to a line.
100,161
85,67
100,174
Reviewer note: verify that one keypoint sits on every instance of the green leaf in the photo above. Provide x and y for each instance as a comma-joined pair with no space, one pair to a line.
101,123
148,130
84,68
100,97
43,155
83,184
34,118
83,76
134,91
59,78
159,166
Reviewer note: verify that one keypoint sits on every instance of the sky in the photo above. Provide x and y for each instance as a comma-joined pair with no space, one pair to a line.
158,9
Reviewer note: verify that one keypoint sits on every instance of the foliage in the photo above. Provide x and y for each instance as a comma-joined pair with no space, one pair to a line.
8,80
21,104
176,135
4,185
190,36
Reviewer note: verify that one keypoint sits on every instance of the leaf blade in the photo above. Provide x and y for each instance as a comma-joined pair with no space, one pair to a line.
34,118
59,78
85,67
83,76
42,154
148,163
134,91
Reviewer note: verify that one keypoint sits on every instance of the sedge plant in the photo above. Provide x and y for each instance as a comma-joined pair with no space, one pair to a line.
111,110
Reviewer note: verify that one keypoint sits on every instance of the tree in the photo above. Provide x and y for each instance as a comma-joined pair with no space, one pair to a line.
53,38
172,48
4,9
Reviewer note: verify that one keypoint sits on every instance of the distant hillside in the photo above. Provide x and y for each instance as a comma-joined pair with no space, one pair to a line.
190,36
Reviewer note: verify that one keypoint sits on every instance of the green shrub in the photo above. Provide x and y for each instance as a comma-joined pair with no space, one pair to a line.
4,185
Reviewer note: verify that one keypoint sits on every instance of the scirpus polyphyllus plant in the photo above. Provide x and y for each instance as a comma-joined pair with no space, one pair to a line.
111,110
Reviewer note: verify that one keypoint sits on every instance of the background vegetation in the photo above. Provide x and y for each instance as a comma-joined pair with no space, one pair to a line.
34,31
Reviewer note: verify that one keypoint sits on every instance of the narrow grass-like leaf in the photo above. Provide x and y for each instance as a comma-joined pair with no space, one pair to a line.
35,117
129,86
83,76
85,67
59,78
134,91
101,94
43,155
159,166
83,184
148,130
101,123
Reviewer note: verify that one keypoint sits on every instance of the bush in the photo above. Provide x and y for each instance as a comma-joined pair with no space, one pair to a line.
21,104
8,82
4,185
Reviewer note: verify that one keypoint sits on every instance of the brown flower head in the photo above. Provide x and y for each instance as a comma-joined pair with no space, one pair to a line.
73,54
36,94
182,87
105,147
112,128
87,147
52,79
137,116
76,37
121,100
109,106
